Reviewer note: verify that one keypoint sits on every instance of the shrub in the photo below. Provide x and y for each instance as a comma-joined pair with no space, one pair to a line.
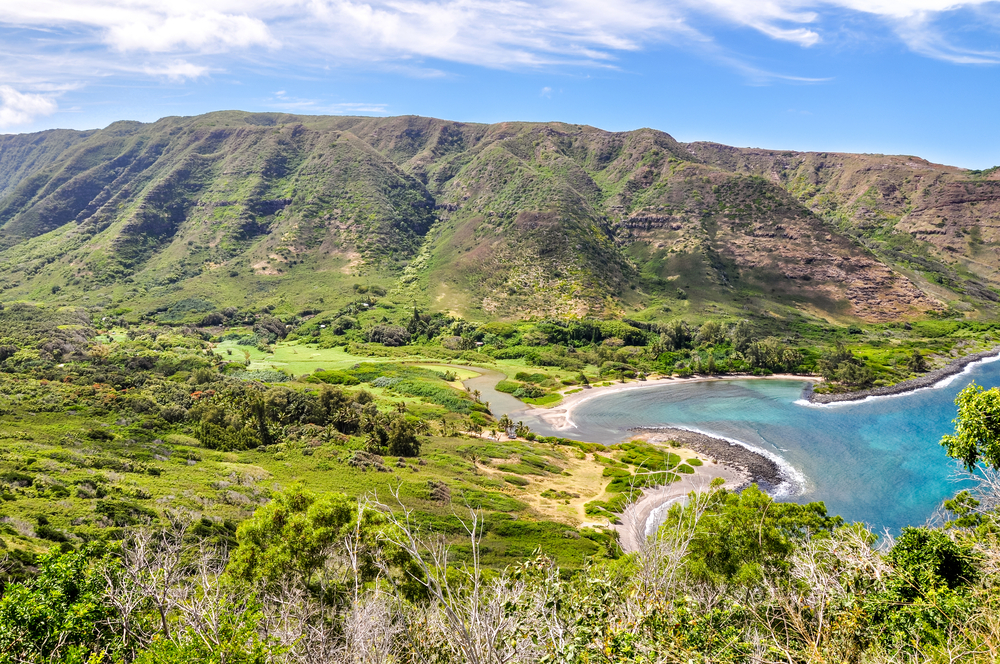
403,441
123,513
173,413
506,386
101,434
388,335
529,392
332,378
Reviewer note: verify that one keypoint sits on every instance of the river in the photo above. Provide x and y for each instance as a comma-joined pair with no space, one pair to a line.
878,461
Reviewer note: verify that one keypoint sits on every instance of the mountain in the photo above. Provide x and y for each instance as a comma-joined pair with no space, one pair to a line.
489,221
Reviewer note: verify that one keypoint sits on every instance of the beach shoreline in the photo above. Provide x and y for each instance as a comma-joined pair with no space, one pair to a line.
738,465
635,526
559,416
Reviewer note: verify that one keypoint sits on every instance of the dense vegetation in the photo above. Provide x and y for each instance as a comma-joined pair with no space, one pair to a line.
491,222
728,578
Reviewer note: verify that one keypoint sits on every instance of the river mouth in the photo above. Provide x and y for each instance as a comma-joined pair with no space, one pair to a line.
877,461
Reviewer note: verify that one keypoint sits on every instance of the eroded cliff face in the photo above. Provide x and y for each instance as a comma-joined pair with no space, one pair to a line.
760,235
912,209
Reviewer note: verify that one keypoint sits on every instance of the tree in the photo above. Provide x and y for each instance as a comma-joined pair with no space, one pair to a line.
388,335
743,537
710,333
855,375
328,543
505,423
60,615
927,591
675,335
742,335
402,440
977,428
916,362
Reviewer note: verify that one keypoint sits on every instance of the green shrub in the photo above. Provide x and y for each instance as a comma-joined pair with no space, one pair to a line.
649,457
333,378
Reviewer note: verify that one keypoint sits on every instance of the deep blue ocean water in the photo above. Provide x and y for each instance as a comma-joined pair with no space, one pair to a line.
877,461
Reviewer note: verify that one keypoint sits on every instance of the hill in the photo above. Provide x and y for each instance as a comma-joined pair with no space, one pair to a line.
487,221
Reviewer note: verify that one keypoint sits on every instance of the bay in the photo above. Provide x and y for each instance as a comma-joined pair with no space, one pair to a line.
877,461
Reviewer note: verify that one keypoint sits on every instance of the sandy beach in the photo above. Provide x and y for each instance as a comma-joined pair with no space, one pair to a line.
632,531
560,416
739,466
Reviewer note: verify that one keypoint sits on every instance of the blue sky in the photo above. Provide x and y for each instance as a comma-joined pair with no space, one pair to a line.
913,77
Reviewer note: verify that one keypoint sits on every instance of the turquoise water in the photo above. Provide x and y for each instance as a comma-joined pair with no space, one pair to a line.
877,461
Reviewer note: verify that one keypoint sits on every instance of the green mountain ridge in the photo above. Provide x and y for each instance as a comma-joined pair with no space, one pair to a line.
495,221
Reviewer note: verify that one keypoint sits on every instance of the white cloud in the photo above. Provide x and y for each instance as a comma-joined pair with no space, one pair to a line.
148,25
498,34
19,108
913,21
205,31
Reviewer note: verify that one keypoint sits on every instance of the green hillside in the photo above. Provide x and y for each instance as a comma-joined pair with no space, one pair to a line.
486,221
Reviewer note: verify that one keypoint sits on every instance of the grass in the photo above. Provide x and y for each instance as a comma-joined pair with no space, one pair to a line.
64,479
293,356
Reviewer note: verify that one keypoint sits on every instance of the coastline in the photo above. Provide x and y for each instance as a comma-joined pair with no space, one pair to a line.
751,465
931,379
739,466
635,520
559,416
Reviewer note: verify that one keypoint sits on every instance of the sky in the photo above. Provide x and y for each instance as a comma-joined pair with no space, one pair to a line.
916,77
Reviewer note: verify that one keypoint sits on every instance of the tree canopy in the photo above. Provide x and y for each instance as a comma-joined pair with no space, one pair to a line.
977,428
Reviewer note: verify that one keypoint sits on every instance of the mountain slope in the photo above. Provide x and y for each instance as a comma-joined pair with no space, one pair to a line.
490,221
938,222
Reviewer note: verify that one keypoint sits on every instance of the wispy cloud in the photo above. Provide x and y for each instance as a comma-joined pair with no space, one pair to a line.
178,70
181,40
285,102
